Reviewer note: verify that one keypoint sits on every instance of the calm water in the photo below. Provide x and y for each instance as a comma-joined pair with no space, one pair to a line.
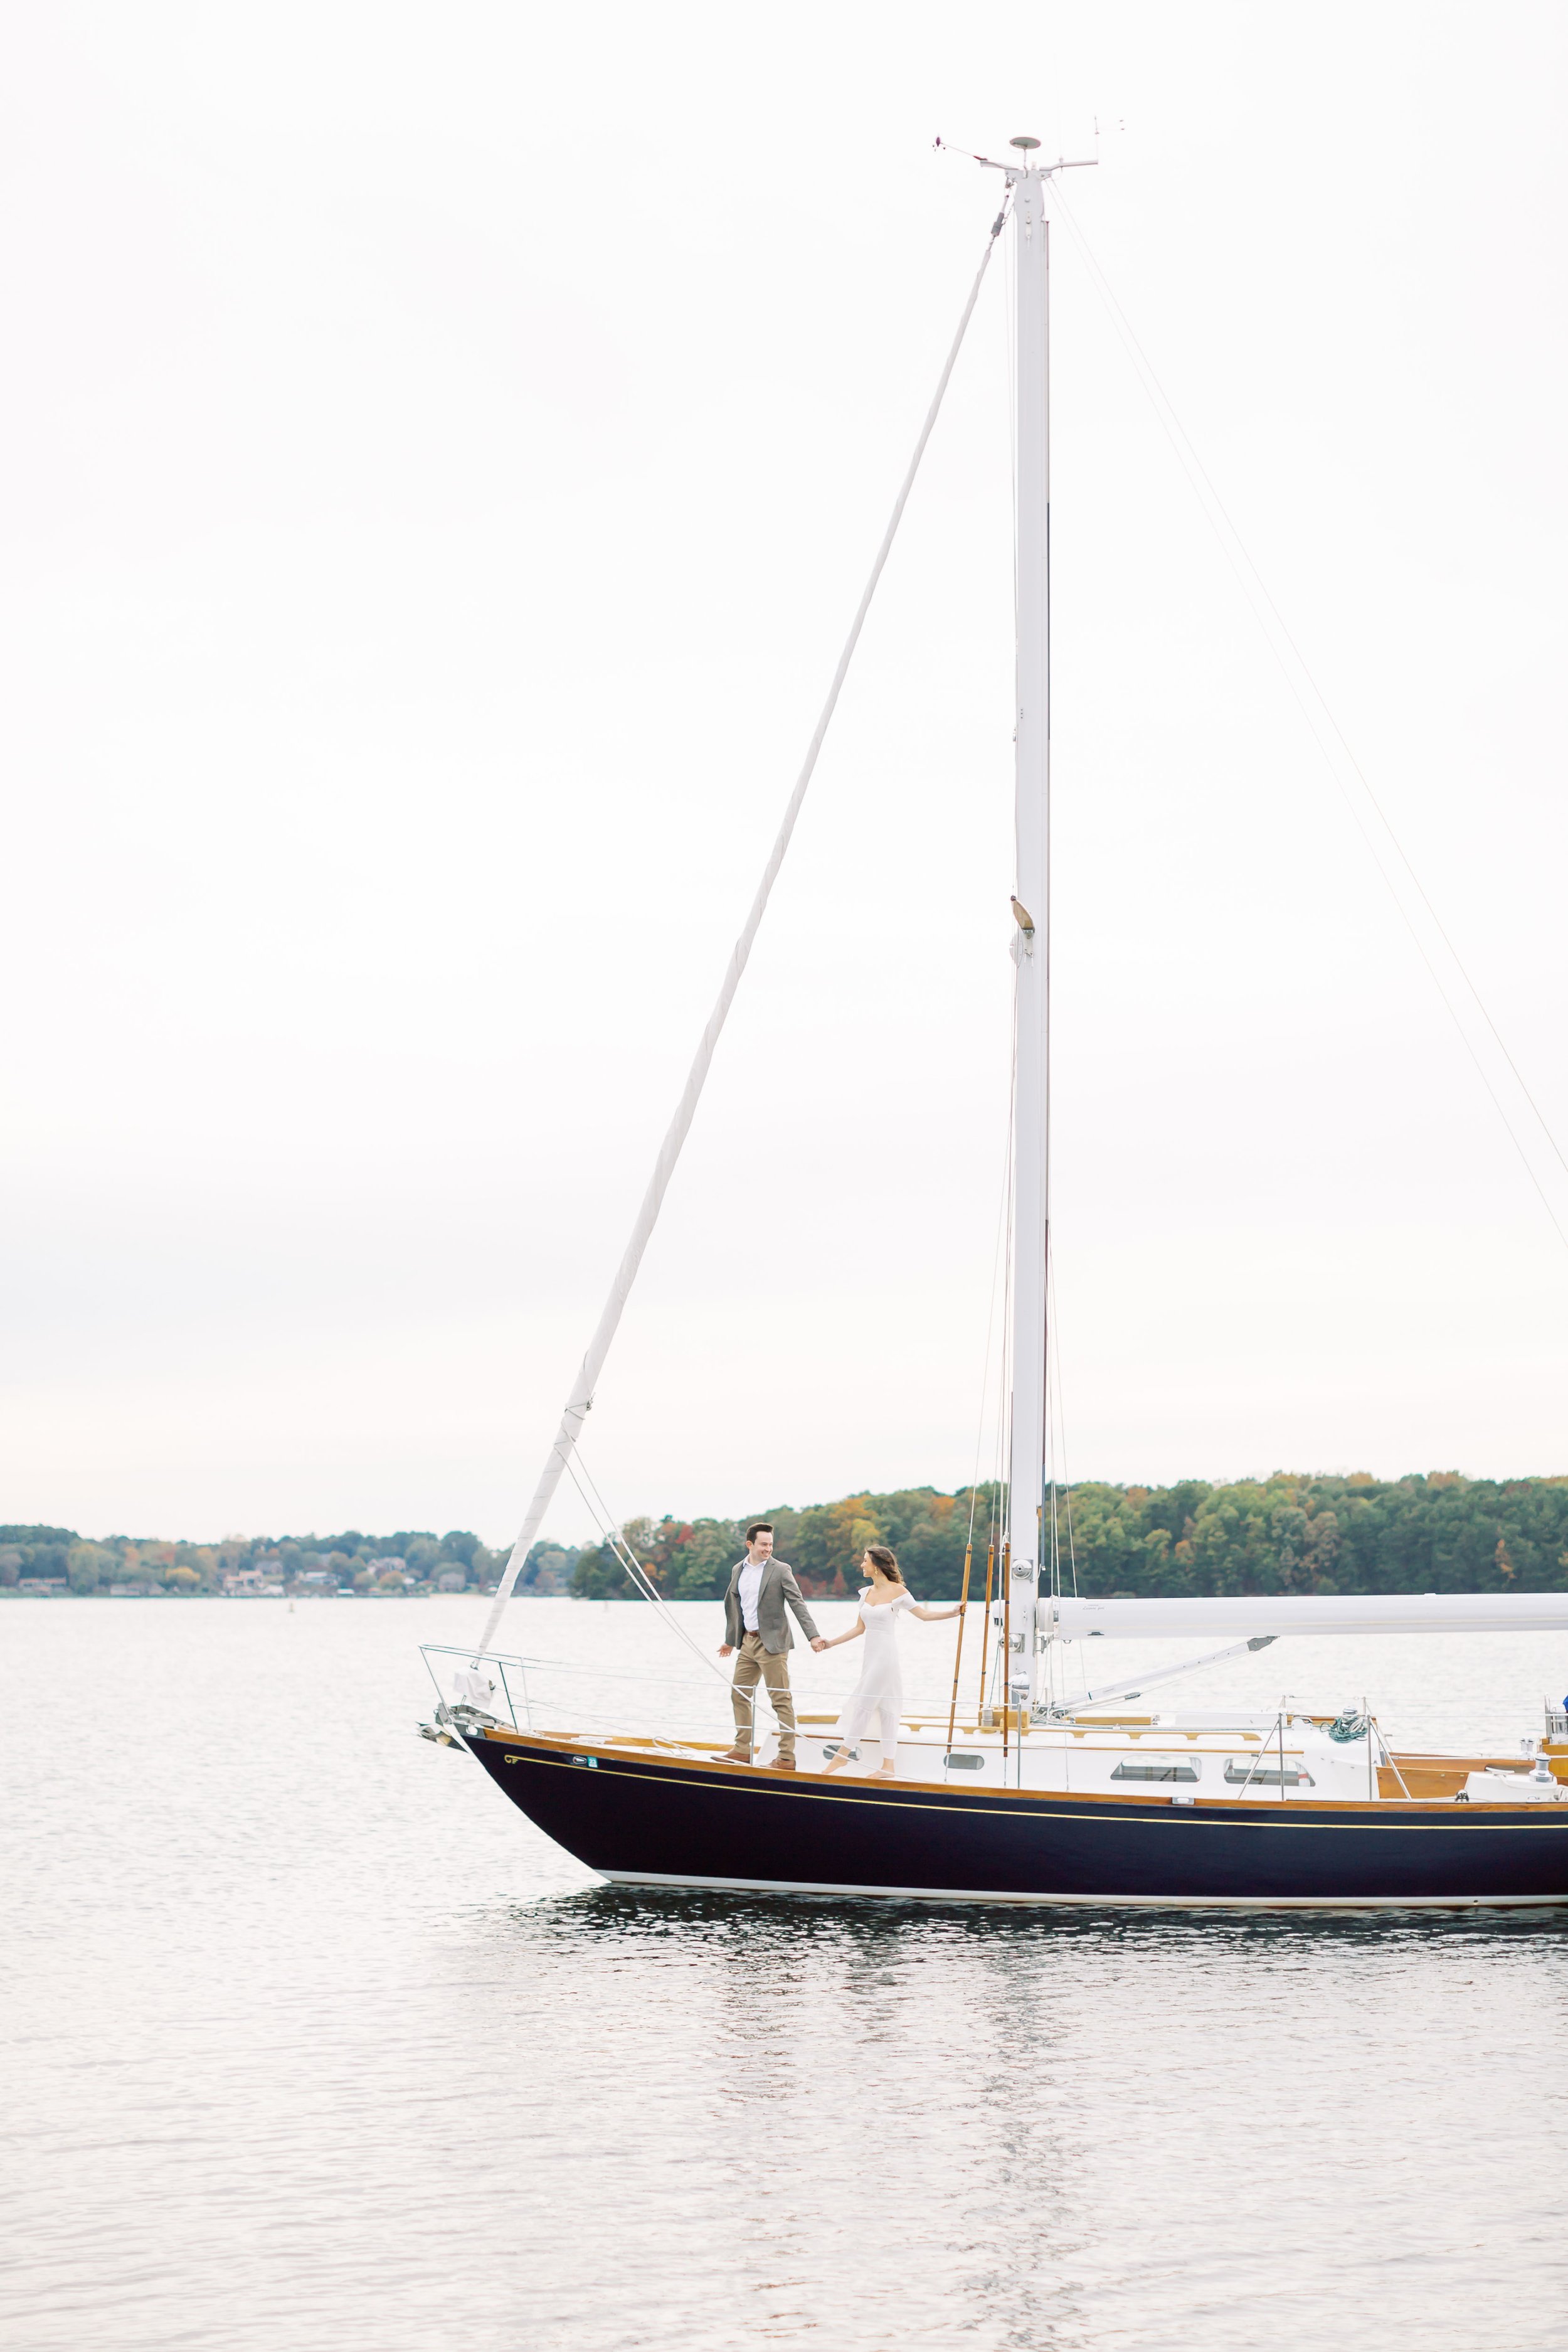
316,2043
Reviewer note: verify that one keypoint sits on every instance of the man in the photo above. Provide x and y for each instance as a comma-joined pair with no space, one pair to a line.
755,1625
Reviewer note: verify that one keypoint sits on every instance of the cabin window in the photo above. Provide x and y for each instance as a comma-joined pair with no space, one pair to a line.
1268,1776
965,1763
1187,1769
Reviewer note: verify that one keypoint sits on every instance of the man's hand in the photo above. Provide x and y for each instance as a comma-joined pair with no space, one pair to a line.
819,1643
724,1649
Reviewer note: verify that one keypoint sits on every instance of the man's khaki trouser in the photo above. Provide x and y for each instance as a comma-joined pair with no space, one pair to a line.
753,1664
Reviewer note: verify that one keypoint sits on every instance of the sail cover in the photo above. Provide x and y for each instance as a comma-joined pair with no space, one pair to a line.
1317,1613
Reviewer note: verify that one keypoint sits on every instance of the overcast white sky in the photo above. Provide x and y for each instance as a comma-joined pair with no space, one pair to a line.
442,449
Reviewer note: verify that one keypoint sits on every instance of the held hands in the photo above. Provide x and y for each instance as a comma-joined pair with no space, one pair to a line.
724,1647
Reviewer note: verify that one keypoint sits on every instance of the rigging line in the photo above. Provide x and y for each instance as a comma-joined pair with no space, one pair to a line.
1005,1365
1051,1463
1057,1492
1193,468
1107,295
581,1397
608,1521
1061,1475
1004,1359
634,1568
609,1529
991,1309
1009,329
610,1534
1062,1427
998,1266
576,1666
1052,1536
599,1511
641,1576
996,1637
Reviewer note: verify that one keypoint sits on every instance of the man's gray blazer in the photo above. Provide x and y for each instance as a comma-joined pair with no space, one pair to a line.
778,1586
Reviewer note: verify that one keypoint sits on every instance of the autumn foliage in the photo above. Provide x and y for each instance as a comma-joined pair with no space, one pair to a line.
1291,1532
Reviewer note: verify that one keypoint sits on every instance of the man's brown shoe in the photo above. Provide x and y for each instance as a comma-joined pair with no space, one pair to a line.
782,1764
734,1756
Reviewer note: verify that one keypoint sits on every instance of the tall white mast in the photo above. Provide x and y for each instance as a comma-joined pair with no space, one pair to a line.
1031,905
1031,892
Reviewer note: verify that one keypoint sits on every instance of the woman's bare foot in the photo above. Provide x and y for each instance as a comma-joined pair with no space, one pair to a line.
885,1772
837,1761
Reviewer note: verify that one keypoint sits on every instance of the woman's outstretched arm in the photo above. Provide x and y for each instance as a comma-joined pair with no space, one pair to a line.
856,1631
934,1616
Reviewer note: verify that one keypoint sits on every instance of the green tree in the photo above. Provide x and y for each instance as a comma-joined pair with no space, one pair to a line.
597,1575
699,1565
89,1565
548,1568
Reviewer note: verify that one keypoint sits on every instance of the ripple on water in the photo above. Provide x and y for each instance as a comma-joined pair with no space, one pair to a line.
316,2043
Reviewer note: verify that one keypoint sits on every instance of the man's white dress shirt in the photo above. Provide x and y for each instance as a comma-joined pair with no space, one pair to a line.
750,1587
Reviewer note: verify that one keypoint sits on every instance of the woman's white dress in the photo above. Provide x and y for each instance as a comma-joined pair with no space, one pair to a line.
880,1690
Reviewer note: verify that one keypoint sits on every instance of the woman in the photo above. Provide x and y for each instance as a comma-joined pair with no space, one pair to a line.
880,1690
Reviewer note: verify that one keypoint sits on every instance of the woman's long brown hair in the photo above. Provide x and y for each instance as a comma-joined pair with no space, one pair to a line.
884,1558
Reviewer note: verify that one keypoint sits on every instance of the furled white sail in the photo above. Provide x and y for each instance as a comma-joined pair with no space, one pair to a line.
1317,1613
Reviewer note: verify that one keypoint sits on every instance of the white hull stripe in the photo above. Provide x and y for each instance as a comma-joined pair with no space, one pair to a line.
1099,1902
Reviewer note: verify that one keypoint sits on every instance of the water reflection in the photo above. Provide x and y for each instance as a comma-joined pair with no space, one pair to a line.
317,2042
656,1911
917,2123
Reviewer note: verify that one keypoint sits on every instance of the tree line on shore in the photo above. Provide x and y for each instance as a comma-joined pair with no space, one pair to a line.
412,1560
1436,1532
1291,1532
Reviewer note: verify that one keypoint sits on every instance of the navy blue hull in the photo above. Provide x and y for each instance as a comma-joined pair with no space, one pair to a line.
661,1819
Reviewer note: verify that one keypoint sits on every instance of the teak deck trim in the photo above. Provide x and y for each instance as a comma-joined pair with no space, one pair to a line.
567,1750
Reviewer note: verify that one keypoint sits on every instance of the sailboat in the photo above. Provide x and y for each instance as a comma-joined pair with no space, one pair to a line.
1016,1793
